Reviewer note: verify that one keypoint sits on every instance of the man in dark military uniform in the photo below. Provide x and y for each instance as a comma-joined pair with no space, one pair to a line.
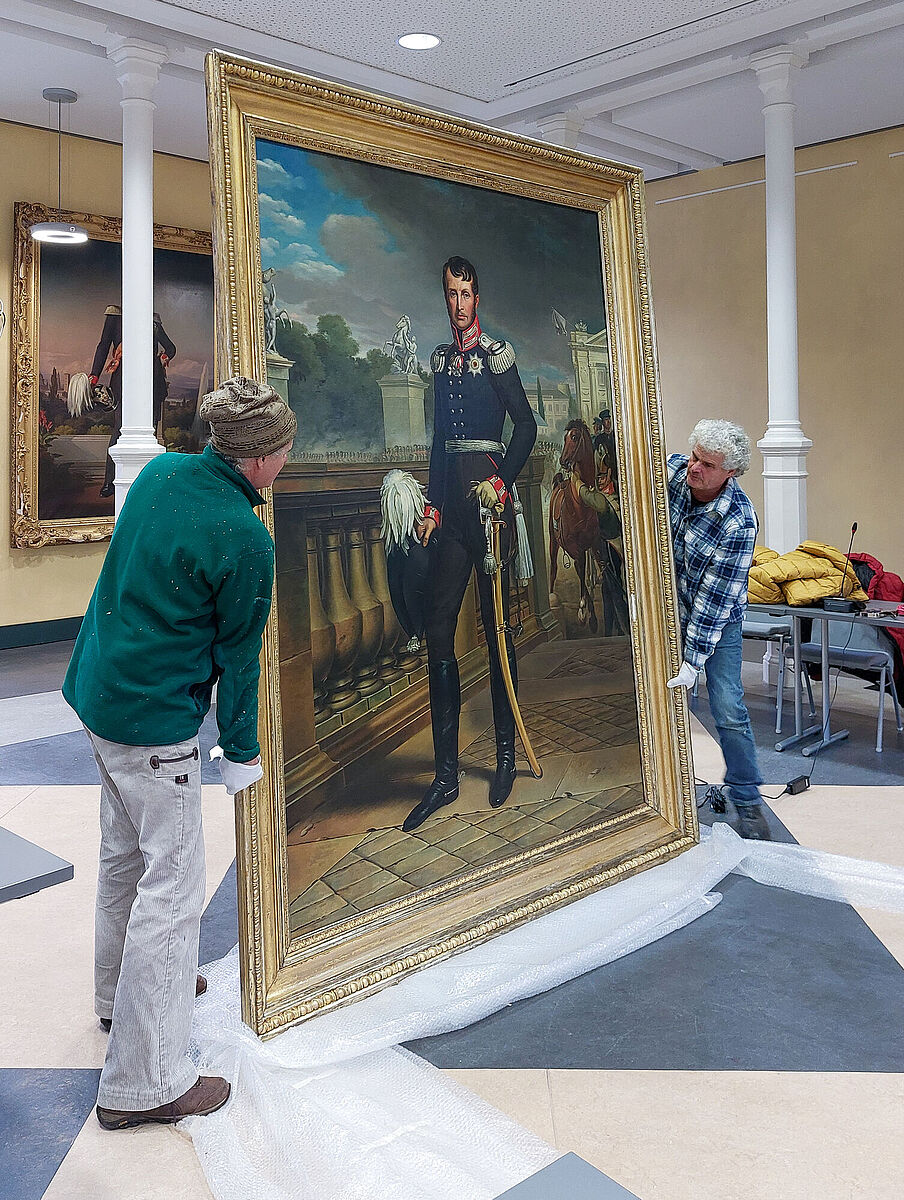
475,383
108,356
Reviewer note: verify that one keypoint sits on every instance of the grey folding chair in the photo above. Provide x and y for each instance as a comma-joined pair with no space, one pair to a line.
860,648
764,627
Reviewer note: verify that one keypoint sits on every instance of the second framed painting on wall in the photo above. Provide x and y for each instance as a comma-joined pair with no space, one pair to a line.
66,321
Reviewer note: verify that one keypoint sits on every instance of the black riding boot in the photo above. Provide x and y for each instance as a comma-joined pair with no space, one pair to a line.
504,720
109,472
445,706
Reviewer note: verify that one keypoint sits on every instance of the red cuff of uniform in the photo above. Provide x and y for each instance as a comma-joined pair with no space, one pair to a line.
499,487
433,513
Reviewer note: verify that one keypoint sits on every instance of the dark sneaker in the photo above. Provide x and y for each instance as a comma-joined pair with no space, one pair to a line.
204,1097
753,826
106,1023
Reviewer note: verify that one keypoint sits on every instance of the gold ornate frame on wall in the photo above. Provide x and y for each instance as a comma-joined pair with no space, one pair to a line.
286,980
27,530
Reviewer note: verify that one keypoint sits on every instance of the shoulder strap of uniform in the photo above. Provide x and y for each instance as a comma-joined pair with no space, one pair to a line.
500,355
438,357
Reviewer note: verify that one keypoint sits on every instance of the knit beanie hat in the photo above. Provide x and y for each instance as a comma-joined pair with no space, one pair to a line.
247,419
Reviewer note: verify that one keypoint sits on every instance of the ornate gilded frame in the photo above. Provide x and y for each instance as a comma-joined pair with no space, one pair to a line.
286,980
27,530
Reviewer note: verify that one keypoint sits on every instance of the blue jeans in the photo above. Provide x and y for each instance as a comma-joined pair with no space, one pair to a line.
726,703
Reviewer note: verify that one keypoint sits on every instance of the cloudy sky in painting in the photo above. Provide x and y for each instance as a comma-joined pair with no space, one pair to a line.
369,242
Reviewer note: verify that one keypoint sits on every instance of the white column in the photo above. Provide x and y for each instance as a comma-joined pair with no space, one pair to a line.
137,66
562,128
784,446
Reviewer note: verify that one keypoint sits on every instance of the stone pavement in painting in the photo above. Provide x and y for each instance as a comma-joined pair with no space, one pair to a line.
579,708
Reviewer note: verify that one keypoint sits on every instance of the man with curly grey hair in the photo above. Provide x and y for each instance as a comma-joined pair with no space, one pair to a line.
714,529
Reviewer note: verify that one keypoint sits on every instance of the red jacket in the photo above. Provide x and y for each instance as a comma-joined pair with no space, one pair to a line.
885,585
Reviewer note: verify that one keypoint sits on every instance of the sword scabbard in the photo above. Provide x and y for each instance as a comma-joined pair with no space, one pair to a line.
535,768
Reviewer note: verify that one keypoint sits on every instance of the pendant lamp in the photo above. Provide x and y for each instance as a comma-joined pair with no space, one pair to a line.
59,231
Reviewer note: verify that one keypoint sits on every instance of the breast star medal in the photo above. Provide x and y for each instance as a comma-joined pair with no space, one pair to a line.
475,366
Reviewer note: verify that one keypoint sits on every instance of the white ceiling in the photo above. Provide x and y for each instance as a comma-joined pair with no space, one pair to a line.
664,85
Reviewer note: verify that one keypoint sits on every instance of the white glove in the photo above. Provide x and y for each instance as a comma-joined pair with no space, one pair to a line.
686,677
236,775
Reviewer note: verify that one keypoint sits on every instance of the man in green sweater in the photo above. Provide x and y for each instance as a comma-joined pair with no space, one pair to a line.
180,605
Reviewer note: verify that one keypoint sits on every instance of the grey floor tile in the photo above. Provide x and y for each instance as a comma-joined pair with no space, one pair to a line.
220,922
853,761
67,758
768,981
568,1176
41,1113
25,670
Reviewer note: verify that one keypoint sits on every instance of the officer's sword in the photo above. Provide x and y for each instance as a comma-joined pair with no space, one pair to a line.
492,564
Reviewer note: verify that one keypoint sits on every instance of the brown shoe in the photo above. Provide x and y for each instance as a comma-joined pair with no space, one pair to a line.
106,1023
205,1097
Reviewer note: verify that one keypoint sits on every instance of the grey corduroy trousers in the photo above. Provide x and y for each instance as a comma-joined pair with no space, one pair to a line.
150,894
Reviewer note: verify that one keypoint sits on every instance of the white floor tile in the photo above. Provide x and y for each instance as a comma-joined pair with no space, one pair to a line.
735,1135
10,796
153,1163
46,940
863,822
522,1095
860,822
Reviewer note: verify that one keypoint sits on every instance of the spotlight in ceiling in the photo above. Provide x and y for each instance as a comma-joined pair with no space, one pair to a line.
419,41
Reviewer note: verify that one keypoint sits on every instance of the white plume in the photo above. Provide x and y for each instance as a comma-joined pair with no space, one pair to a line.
402,500
79,397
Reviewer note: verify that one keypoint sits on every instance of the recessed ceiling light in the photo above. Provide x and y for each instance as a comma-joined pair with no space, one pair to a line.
418,41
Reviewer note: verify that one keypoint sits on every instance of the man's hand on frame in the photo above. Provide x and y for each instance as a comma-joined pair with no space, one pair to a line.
686,677
236,776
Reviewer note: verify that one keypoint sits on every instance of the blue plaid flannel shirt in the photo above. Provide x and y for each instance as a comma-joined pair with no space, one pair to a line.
713,546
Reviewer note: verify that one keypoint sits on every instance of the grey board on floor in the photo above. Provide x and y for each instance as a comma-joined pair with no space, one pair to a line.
26,868
568,1176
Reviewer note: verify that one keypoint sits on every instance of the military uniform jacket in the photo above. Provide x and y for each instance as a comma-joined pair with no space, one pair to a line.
111,337
473,390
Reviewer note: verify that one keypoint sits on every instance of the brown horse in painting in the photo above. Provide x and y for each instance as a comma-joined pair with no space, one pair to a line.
573,526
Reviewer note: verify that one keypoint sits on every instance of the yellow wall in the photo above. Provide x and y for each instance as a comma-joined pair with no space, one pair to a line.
42,585
708,286
707,266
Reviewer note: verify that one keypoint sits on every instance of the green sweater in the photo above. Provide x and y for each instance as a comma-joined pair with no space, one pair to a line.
181,603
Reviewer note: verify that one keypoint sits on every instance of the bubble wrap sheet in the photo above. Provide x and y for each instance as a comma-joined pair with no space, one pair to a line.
831,876
333,1109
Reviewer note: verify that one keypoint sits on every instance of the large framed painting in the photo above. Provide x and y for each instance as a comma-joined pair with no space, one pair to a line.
464,717
65,323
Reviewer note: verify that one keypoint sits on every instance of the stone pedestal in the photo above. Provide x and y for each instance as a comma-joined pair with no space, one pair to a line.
403,410
278,373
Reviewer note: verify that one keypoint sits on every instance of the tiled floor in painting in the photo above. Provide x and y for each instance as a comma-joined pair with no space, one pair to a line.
753,1055
580,714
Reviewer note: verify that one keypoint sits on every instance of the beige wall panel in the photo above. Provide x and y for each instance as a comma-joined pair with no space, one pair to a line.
708,276
708,285
44,585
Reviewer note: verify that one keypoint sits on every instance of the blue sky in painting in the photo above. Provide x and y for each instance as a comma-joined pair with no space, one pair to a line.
368,242
294,205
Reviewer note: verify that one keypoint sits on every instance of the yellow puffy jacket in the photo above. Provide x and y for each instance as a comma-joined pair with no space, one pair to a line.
802,576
